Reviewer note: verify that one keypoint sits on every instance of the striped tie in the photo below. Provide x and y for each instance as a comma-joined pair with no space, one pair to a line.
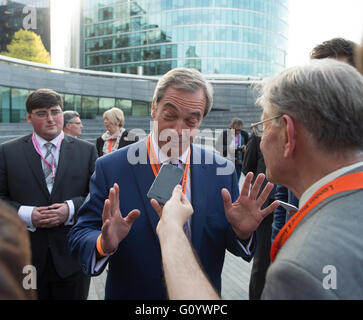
48,171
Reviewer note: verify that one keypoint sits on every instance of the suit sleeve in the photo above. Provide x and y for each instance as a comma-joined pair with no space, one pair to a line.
250,157
83,235
78,201
287,280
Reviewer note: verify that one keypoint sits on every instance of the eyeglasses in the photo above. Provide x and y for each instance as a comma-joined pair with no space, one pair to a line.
45,114
258,126
77,123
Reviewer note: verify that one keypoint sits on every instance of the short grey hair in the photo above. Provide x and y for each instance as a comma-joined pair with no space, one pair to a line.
325,96
69,115
188,79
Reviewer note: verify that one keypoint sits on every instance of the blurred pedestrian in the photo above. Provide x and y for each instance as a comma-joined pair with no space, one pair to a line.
116,136
72,123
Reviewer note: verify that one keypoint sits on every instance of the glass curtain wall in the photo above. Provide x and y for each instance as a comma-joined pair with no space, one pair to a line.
244,37
12,105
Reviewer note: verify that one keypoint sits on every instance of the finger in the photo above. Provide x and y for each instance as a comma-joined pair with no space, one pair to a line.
132,216
177,192
265,193
246,184
271,208
111,197
257,186
227,200
106,211
117,196
157,207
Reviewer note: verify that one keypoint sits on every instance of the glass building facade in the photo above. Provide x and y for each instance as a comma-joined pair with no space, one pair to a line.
12,105
14,15
150,37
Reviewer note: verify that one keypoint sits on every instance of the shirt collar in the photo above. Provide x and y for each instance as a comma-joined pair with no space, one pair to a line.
162,157
331,176
42,141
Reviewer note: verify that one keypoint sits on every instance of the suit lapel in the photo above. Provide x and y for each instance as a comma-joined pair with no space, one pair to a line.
144,179
66,155
34,162
198,175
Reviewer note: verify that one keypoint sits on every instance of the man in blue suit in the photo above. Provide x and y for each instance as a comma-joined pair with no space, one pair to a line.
104,232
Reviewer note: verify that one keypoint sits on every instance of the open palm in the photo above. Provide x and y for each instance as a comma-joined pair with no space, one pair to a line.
245,214
115,228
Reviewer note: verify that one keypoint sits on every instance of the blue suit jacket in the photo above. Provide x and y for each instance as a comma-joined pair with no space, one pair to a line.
135,270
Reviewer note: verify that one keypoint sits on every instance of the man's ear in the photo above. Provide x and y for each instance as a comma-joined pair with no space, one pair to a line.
28,117
289,135
153,109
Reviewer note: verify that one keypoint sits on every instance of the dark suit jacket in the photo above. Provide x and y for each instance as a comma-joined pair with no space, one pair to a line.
135,270
22,183
224,140
123,142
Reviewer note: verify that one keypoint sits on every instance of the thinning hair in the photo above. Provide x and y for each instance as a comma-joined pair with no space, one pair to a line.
325,96
187,79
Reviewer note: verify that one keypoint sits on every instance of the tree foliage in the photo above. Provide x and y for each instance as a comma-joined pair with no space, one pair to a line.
27,45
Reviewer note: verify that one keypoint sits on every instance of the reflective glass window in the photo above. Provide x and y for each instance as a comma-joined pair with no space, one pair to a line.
4,104
18,98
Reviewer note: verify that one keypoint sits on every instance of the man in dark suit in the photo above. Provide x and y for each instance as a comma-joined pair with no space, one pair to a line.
232,144
45,176
108,227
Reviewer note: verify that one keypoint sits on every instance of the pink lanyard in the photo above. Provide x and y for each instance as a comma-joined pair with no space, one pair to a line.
39,151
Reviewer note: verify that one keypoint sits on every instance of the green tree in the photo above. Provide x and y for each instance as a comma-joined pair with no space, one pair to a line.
27,45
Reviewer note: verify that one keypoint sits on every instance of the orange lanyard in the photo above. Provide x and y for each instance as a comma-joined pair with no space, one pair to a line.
111,143
155,165
345,183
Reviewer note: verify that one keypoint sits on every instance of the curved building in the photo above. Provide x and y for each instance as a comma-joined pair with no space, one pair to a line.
150,37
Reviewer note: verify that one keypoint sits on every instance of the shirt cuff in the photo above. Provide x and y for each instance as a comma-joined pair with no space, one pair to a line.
247,248
97,265
70,220
25,214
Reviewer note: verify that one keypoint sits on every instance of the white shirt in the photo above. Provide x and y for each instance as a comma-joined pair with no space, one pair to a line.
308,193
25,212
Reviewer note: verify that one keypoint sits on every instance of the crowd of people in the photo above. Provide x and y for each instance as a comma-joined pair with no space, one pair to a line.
70,208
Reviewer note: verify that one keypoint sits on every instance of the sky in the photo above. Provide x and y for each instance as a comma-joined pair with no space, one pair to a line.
314,21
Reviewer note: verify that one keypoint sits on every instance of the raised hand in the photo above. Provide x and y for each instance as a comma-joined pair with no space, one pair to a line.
245,214
114,227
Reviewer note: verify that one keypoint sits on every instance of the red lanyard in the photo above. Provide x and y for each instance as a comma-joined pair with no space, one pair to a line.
39,151
344,183
155,165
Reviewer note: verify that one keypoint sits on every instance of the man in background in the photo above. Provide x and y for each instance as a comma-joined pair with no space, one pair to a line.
45,177
72,123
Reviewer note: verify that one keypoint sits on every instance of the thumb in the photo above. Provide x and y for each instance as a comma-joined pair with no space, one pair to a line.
177,192
132,216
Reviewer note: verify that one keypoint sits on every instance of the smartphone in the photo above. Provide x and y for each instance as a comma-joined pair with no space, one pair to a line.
290,209
162,188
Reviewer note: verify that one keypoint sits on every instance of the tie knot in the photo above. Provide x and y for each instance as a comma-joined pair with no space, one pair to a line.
49,146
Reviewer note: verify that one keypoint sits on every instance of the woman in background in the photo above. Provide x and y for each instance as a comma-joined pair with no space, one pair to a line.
115,136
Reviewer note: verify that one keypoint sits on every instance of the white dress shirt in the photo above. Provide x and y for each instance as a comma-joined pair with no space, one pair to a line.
25,212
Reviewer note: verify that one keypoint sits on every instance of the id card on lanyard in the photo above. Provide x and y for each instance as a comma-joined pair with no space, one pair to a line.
37,148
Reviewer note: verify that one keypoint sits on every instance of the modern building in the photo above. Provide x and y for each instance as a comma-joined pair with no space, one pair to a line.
93,92
150,37
16,15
